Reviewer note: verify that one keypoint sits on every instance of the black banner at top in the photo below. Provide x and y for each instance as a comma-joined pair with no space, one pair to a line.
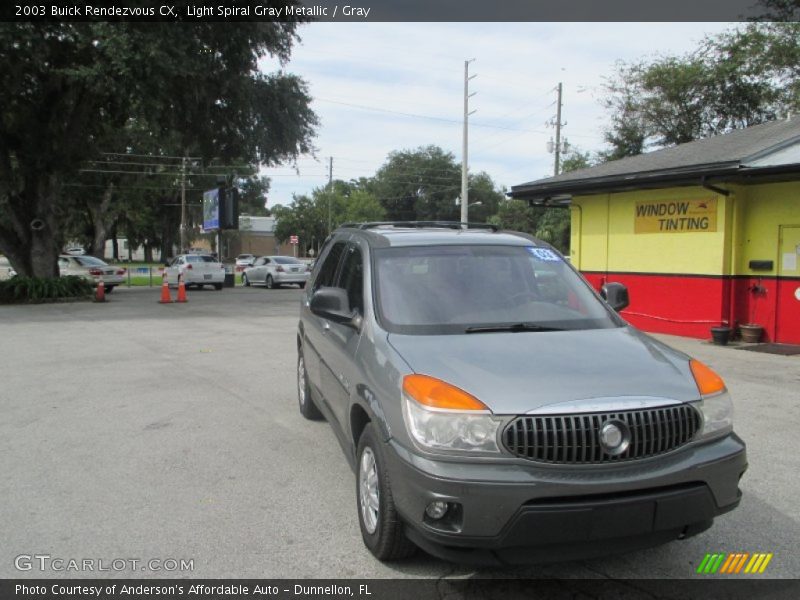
372,11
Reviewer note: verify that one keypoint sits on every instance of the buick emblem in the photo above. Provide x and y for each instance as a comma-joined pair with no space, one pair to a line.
614,437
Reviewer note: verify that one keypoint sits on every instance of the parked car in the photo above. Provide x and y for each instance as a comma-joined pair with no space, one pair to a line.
245,260
75,251
275,271
496,409
197,270
92,269
6,270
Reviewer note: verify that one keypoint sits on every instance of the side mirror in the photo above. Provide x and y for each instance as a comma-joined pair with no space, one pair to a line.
616,295
331,303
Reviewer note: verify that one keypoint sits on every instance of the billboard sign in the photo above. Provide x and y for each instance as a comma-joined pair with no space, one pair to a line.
211,210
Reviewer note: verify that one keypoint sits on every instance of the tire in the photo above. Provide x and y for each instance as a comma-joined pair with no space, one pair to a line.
218,286
269,283
245,281
302,285
307,407
381,527
109,289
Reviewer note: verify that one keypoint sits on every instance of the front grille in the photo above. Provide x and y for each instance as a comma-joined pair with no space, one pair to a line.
575,439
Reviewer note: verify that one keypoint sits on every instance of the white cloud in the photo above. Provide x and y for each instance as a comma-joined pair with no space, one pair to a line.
417,68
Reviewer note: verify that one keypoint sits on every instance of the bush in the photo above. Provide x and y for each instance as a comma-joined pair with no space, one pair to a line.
21,289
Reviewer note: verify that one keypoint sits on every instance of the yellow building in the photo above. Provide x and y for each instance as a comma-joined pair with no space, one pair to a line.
703,234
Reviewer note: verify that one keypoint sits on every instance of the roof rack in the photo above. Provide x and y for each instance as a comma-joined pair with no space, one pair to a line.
422,224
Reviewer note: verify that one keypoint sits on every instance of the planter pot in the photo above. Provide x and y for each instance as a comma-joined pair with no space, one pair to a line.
720,335
751,333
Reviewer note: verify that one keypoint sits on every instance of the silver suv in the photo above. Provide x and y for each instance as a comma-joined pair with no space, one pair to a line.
496,410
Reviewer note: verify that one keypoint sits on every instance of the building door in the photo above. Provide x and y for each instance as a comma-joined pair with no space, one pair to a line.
787,318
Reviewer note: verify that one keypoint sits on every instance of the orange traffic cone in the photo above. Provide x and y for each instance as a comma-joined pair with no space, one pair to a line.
181,290
100,292
165,297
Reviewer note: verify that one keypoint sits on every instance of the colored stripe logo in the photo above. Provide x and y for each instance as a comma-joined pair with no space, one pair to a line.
734,563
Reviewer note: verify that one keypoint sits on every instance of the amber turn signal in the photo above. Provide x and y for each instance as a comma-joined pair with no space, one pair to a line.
708,382
436,393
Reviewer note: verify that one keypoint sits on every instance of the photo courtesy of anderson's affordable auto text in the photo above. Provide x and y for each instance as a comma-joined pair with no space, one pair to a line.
390,300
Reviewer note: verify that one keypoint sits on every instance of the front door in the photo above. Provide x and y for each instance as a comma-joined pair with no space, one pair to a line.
787,318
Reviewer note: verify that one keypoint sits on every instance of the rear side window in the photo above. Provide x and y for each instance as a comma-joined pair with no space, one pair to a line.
327,271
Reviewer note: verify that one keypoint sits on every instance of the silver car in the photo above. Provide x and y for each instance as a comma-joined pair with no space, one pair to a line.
93,269
275,271
497,410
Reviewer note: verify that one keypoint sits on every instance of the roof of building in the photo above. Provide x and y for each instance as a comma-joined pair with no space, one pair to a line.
761,149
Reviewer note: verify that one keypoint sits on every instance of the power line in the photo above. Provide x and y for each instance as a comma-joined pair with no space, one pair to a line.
418,116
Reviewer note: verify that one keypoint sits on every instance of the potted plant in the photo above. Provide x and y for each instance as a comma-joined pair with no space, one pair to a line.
751,332
721,335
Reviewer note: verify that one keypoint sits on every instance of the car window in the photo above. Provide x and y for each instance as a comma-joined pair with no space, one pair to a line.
89,261
351,278
63,263
447,289
260,261
327,270
286,260
199,258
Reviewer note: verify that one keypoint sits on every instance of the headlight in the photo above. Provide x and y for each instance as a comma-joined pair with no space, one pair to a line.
715,406
440,416
717,414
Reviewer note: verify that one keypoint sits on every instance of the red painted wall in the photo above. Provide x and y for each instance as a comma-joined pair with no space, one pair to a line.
691,305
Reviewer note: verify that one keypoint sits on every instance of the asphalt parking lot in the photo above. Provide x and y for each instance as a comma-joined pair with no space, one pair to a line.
134,430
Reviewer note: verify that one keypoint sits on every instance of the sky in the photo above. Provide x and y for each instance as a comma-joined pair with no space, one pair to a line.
381,87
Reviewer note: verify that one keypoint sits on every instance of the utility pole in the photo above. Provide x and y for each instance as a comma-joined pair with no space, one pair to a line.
183,204
558,132
330,191
465,146
558,148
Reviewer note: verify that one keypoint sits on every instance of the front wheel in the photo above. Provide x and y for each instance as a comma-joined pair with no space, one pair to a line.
302,285
245,281
218,286
381,527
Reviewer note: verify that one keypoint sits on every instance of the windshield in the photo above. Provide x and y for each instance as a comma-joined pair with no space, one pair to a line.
197,258
463,289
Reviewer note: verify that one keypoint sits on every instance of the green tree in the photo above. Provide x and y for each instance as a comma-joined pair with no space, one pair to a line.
515,215
742,77
307,216
425,184
69,92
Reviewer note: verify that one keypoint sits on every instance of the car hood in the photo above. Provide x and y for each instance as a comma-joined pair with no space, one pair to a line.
515,373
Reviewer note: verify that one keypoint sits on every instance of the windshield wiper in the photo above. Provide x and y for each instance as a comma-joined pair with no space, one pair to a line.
513,327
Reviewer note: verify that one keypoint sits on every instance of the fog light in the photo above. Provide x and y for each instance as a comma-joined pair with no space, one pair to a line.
436,509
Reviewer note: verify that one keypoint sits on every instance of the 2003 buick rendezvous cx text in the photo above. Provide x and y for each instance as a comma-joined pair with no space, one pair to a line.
496,409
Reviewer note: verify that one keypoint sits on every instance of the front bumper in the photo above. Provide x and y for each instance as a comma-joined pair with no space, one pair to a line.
522,512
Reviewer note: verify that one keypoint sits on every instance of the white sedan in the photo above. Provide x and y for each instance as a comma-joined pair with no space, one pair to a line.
92,269
274,271
197,270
